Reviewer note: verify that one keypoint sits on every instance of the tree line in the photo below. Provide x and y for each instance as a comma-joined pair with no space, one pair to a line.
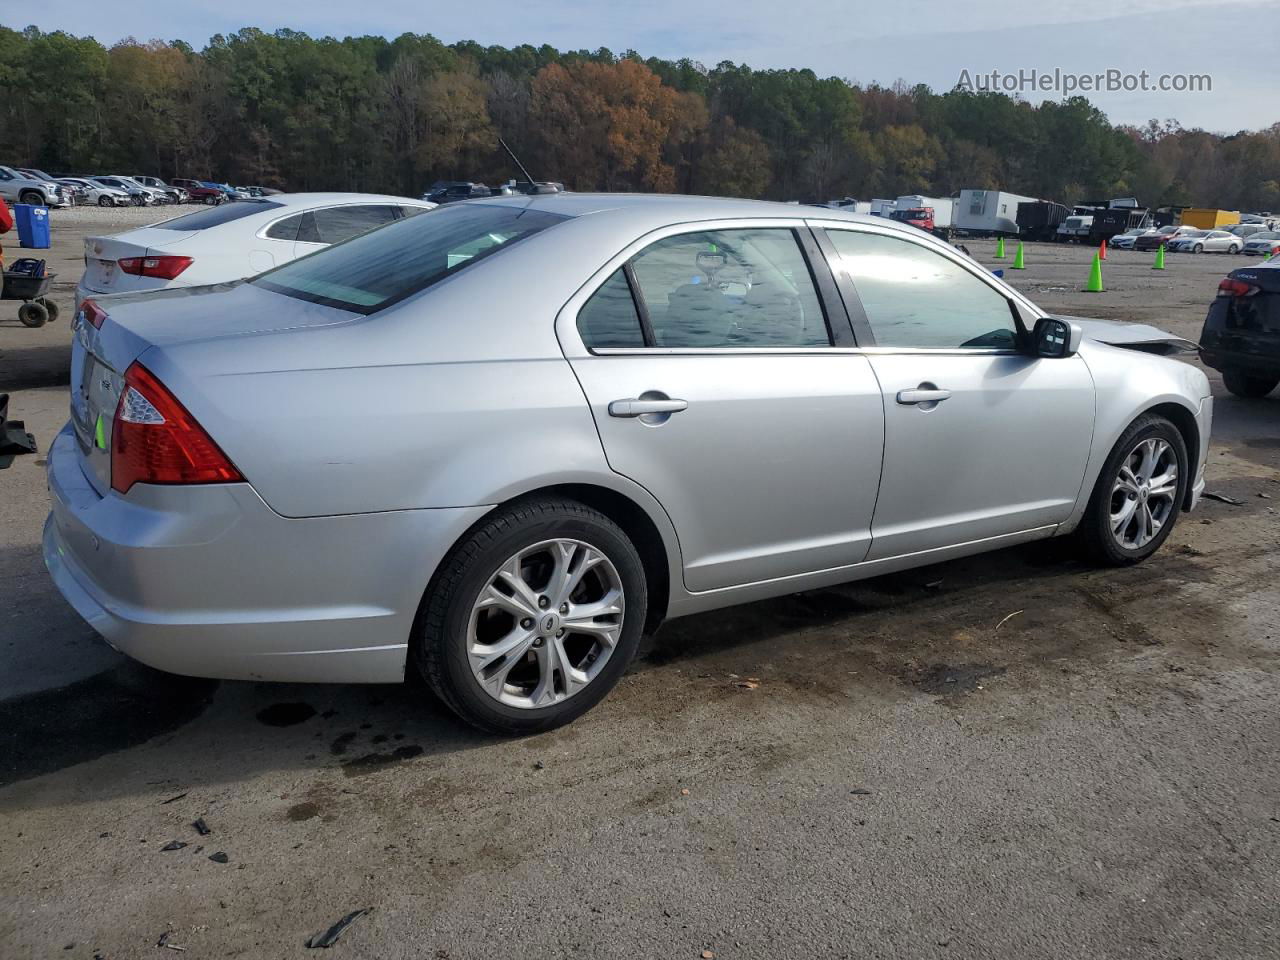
367,113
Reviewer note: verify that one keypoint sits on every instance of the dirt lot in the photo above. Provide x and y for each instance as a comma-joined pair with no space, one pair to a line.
1013,756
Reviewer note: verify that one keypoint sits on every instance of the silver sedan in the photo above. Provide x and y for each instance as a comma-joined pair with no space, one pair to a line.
497,443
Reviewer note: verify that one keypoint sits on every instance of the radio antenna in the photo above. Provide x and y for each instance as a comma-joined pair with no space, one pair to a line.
516,161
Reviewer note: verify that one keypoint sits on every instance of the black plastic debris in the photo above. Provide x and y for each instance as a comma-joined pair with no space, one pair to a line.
330,936
1223,498
172,799
174,845
202,828
14,437
860,792
219,857
164,942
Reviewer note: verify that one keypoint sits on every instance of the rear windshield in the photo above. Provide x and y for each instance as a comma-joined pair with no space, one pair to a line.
224,213
379,268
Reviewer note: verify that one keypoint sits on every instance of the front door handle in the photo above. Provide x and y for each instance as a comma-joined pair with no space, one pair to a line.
923,395
641,407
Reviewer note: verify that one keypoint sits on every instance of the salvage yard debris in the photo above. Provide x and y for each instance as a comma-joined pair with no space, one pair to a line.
329,937
1223,498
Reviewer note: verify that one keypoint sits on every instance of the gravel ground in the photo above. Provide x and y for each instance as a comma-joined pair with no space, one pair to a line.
1013,756
97,219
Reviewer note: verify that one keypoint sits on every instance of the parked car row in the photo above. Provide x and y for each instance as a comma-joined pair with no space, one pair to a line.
451,191
34,186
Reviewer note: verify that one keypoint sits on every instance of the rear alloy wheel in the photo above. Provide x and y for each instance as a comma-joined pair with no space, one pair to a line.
1250,386
1138,494
533,618
1198,248
31,197
105,201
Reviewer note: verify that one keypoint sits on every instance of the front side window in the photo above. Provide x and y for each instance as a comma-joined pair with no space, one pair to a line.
376,269
730,288
916,297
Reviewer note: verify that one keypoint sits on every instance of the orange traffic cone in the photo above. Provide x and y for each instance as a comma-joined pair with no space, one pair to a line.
1102,250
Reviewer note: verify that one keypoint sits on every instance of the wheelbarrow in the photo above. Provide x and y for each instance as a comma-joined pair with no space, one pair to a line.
32,289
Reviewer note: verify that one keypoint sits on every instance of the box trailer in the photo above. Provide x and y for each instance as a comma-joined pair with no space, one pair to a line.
1114,221
986,213
1038,219
931,214
1205,218
881,208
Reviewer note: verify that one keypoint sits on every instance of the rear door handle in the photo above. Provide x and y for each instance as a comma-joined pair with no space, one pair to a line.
639,408
922,395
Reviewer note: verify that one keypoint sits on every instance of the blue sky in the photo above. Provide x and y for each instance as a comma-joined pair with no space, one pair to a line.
920,41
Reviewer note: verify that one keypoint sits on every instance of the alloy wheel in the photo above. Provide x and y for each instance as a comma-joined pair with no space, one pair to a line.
545,623
1144,493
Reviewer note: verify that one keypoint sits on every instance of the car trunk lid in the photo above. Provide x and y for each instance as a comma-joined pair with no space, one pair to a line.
102,255
135,324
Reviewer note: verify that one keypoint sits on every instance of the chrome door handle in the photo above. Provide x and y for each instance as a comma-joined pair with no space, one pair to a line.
922,395
640,408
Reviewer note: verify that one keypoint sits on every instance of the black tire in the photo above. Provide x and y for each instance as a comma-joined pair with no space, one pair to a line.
50,307
105,201
31,197
1250,386
1198,248
1094,532
439,641
33,314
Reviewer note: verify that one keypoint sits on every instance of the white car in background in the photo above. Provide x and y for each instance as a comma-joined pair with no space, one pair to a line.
1206,241
176,194
138,196
1124,241
1262,243
232,241
98,193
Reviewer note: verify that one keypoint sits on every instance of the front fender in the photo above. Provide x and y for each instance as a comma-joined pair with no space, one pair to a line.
1129,383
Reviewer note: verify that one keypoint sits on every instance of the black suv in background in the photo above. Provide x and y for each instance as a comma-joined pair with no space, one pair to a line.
1241,335
449,191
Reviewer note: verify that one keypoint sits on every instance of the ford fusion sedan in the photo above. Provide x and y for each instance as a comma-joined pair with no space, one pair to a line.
232,241
496,444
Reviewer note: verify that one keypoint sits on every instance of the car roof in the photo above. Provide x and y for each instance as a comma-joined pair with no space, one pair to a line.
649,211
323,199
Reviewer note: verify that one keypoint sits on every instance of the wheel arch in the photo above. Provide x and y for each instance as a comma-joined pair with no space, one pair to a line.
653,537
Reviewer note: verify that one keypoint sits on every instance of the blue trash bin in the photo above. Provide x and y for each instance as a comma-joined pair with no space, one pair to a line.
33,225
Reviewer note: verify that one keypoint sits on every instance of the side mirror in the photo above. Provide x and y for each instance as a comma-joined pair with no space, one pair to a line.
1054,338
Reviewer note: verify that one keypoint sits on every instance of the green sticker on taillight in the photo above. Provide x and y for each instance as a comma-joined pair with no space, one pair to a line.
99,434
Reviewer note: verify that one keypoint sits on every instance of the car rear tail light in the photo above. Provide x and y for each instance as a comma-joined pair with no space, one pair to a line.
155,440
92,313
162,268
1230,287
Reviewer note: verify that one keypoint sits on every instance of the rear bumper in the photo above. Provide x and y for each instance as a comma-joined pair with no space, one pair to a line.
209,581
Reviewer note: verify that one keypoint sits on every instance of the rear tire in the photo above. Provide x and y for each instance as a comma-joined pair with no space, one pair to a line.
50,307
105,201
31,197
1250,386
552,673
1113,531
33,314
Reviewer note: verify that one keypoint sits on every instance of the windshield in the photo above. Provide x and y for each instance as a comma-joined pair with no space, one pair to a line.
1265,235
379,268
1194,233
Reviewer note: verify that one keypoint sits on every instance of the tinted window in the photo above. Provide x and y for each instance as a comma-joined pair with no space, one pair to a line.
376,269
730,288
335,224
610,318
916,297
413,211
213,216
286,229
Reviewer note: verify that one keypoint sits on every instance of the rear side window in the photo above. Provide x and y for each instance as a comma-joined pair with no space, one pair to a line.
214,216
374,270
610,318
730,288
335,224
286,229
